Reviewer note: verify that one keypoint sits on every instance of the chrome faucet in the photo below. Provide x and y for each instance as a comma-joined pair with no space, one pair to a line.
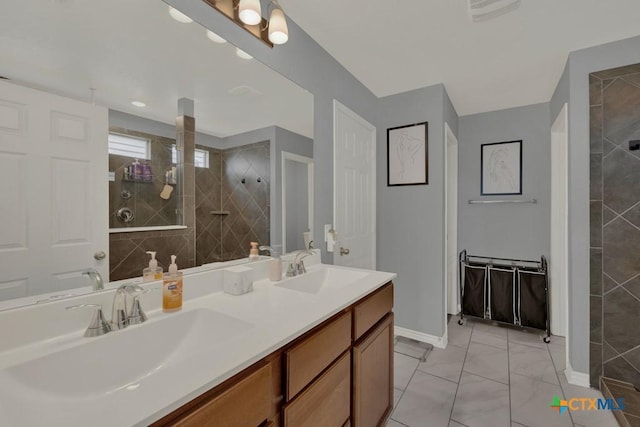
121,318
297,267
95,278
120,315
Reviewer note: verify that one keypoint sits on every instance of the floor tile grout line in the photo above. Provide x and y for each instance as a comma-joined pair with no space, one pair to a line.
455,396
485,378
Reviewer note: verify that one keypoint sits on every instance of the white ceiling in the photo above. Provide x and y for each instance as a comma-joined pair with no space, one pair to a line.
130,50
512,60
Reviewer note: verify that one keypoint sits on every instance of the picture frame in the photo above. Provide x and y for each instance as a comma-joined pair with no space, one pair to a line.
408,155
501,168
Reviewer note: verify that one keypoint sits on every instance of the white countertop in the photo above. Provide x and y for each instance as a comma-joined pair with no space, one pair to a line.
271,316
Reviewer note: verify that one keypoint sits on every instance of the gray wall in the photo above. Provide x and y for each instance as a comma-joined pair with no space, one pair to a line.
510,231
410,218
580,64
297,208
307,64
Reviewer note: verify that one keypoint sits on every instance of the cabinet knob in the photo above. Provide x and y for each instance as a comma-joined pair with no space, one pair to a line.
100,255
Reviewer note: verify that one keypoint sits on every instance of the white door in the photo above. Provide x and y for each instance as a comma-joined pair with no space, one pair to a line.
354,189
451,220
53,181
558,274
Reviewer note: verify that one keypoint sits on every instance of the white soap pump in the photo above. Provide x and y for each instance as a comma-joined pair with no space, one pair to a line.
153,272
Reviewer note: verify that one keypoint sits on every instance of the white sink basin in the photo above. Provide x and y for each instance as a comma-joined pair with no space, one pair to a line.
322,280
122,359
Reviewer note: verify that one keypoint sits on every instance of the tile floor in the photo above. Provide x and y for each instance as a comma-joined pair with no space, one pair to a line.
488,376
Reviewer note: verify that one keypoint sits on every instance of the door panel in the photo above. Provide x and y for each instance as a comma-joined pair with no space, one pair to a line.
53,164
354,189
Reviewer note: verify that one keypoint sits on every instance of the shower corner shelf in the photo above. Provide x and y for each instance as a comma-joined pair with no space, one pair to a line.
141,181
220,212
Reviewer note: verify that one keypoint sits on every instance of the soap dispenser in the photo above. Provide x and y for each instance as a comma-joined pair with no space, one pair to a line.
254,254
172,288
153,272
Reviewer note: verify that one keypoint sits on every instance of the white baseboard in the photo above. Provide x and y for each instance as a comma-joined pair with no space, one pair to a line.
576,378
440,342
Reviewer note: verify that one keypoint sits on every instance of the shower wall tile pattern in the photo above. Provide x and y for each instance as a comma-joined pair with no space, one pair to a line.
615,225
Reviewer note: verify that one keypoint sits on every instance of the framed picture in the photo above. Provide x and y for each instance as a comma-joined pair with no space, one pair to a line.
407,155
501,168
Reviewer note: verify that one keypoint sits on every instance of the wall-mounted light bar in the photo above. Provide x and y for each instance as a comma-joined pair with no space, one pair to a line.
229,8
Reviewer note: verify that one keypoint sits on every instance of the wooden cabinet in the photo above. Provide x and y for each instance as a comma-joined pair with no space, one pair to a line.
373,376
338,374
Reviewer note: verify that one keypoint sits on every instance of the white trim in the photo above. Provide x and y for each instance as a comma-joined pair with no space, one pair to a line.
576,378
451,147
440,342
309,162
156,228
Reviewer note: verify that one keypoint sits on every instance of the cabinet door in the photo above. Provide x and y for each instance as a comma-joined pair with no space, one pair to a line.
373,376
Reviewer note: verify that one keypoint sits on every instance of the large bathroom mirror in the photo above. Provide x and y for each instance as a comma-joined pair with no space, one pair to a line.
121,55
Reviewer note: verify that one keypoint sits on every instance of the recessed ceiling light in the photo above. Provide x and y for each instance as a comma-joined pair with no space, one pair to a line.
214,37
242,54
179,16
138,104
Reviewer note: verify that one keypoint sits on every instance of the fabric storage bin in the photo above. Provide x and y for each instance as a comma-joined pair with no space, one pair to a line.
532,286
474,290
502,294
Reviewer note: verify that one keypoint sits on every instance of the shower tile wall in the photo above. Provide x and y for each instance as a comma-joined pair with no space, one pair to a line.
247,203
615,225
149,208
127,255
208,199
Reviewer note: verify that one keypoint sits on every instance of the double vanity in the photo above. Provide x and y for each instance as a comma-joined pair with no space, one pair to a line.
315,349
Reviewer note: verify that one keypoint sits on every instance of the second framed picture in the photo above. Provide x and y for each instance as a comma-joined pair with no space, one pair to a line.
501,168
407,155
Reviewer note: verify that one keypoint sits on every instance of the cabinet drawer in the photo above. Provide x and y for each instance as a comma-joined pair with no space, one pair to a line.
247,403
308,358
326,403
371,310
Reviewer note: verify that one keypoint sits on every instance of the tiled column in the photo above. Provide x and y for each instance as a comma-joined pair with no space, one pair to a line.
186,144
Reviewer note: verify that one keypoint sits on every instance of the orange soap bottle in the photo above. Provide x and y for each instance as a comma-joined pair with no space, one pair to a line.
172,288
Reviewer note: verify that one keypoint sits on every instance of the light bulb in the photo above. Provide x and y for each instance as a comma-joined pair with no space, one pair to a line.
278,31
179,16
249,12
214,37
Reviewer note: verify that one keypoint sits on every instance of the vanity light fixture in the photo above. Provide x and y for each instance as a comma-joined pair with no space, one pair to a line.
138,104
179,16
242,54
248,15
215,38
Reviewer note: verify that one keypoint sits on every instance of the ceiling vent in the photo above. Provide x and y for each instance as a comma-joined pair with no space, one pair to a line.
482,10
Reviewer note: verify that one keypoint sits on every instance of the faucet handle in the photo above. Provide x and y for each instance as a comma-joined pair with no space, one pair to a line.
98,325
300,266
292,270
137,316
